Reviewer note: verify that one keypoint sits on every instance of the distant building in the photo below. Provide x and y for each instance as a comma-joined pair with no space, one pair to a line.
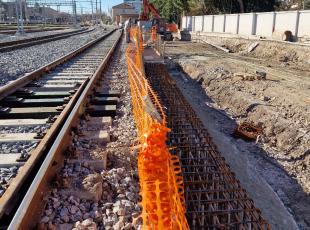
137,4
122,12
32,14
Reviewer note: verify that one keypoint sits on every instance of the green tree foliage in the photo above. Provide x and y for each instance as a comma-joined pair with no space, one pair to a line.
307,4
172,10
229,6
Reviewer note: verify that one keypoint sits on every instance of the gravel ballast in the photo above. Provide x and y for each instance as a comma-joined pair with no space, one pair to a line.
94,198
17,63
8,38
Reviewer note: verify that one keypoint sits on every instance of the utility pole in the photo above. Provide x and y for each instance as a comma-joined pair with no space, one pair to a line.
96,12
19,17
100,12
26,12
74,13
44,14
92,10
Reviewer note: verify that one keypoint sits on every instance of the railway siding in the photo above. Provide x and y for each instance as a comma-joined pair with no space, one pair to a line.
49,101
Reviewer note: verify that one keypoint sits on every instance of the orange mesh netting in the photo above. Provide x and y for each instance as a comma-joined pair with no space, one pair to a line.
161,182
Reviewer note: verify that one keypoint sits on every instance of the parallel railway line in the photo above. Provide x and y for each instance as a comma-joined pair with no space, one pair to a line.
88,120
22,43
35,107
59,107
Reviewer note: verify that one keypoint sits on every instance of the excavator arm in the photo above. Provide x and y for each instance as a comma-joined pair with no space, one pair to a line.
147,8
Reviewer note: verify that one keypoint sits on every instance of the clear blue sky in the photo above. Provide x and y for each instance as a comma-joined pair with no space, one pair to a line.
85,4
105,5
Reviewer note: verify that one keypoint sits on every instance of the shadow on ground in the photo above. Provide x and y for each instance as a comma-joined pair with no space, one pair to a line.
266,181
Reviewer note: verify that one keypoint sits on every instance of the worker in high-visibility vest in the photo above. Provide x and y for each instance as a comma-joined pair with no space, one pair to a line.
154,31
127,30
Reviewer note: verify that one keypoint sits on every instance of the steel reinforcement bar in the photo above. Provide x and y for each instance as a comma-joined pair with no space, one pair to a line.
214,197
161,182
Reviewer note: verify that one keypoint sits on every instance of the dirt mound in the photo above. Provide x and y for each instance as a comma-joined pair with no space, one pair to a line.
284,117
281,53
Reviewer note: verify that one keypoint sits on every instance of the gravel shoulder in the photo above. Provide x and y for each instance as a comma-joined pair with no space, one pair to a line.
7,38
17,63
279,104
101,198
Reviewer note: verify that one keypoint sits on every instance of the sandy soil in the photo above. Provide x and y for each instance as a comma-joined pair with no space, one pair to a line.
297,57
228,83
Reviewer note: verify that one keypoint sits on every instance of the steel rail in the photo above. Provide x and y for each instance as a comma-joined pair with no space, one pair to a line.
33,201
13,31
214,196
7,201
13,45
21,82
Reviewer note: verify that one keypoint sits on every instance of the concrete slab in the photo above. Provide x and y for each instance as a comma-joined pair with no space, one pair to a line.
105,100
22,122
103,92
18,137
102,110
9,160
101,136
100,121
73,77
151,56
61,82
30,112
63,89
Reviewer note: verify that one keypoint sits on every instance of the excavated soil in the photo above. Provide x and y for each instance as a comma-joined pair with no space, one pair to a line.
284,54
278,103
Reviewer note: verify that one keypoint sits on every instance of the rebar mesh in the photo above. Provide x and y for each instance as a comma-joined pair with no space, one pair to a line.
161,182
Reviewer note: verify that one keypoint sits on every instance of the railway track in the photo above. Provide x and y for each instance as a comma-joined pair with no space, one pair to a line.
214,197
27,30
59,194
35,107
12,45
69,174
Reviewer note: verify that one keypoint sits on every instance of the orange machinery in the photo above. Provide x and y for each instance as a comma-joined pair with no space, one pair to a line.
163,28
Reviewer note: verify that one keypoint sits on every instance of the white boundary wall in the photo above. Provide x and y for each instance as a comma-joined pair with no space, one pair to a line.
208,23
304,23
232,23
219,23
287,21
266,24
198,23
247,24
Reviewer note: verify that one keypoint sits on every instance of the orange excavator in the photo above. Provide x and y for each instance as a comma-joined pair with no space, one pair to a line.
162,27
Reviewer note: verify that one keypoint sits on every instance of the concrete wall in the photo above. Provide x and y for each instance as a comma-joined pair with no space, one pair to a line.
247,24
219,23
261,24
265,24
189,23
183,25
286,21
304,24
208,23
232,23
198,23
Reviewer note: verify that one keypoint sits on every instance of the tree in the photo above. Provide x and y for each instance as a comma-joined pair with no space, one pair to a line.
171,10
307,4
230,6
241,5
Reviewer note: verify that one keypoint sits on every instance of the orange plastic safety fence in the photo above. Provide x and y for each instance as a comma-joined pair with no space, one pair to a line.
161,182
